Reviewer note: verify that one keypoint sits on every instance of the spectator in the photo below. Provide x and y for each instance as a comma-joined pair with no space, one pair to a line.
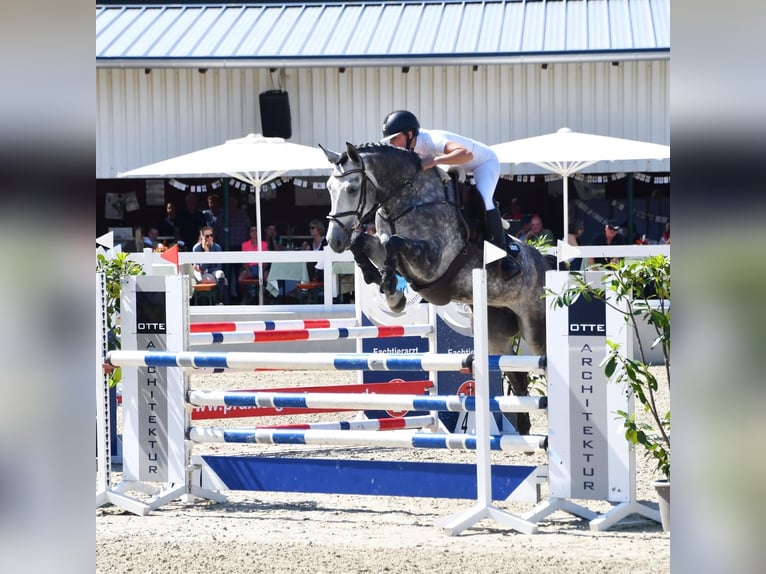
610,236
238,229
272,238
317,243
250,270
521,232
189,222
151,238
573,238
210,272
237,232
213,212
665,237
167,227
514,212
537,232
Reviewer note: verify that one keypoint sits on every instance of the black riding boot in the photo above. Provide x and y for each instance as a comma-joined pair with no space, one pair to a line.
497,236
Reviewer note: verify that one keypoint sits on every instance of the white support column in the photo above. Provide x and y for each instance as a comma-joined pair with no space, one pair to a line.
484,508
105,493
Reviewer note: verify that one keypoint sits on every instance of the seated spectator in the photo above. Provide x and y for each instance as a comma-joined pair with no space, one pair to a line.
665,237
610,236
272,237
537,232
151,238
250,270
523,228
317,243
514,212
210,272
573,238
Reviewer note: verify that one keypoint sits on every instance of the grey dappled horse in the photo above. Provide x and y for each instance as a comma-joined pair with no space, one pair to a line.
424,236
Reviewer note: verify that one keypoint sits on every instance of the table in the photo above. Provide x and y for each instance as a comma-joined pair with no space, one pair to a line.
281,271
345,273
295,271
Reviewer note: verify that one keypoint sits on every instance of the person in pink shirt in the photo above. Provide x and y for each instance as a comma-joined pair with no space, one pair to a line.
250,270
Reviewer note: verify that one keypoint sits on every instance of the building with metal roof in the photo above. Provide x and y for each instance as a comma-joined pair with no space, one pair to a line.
177,77
375,33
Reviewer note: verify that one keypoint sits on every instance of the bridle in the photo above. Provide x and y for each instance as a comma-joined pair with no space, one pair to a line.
357,212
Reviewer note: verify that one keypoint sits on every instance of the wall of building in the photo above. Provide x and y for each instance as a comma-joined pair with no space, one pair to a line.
145,116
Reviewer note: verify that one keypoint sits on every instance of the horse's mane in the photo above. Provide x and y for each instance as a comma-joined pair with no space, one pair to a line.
390,150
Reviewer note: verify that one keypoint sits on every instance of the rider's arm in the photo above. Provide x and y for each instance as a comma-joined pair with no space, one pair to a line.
454,154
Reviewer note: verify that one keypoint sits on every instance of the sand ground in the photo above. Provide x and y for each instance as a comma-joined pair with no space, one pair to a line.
318,533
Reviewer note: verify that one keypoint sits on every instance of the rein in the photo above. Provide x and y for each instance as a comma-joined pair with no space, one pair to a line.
362,196
456,264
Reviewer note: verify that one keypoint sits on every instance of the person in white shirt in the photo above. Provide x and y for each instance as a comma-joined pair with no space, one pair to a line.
437,147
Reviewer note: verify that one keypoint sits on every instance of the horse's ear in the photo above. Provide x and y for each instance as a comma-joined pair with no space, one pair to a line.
332,156
353,155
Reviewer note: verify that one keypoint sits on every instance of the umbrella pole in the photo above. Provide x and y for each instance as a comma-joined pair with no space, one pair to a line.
565,239
258,226
629,236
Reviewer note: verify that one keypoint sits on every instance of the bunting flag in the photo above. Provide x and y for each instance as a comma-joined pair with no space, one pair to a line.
213,186
619,206
593,178
171,255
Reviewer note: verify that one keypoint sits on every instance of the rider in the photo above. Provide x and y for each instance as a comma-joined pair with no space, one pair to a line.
402,129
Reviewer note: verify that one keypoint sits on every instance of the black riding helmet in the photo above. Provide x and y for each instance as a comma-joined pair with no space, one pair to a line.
400,121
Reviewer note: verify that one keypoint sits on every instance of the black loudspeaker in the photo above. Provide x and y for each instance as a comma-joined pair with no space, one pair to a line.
275,114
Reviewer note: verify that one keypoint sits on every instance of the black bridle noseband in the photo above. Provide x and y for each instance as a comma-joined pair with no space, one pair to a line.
360,217
364,217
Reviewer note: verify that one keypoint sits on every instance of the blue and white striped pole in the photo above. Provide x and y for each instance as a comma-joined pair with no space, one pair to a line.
362,401
321,361
394,439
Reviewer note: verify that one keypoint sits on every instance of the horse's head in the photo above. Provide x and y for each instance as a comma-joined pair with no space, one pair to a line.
363,178
351,198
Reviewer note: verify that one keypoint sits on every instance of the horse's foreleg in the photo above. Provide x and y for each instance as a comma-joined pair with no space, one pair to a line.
361,248
389,280
418,256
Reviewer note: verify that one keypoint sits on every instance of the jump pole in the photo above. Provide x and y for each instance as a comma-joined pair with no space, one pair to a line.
189,480
458,522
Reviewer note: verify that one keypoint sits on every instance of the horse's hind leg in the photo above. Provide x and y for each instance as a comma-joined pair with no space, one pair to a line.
503,327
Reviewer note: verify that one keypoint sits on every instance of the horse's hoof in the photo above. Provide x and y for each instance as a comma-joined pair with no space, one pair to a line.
388,284
397,304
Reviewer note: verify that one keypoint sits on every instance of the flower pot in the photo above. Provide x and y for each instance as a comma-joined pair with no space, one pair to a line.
663,495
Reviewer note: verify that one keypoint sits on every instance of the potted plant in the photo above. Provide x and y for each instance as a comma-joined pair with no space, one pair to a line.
640,290
114,270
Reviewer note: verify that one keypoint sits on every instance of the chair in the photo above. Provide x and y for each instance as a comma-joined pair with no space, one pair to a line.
310,292
204,294
245,285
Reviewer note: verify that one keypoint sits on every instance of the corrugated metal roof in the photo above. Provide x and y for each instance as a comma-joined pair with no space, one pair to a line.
380,33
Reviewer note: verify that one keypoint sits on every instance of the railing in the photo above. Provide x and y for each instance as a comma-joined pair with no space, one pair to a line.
152,260
328,257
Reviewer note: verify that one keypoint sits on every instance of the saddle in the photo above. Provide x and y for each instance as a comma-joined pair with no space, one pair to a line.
471,215
470,207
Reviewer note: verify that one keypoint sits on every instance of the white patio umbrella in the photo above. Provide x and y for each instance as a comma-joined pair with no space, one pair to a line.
566,152
254,159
